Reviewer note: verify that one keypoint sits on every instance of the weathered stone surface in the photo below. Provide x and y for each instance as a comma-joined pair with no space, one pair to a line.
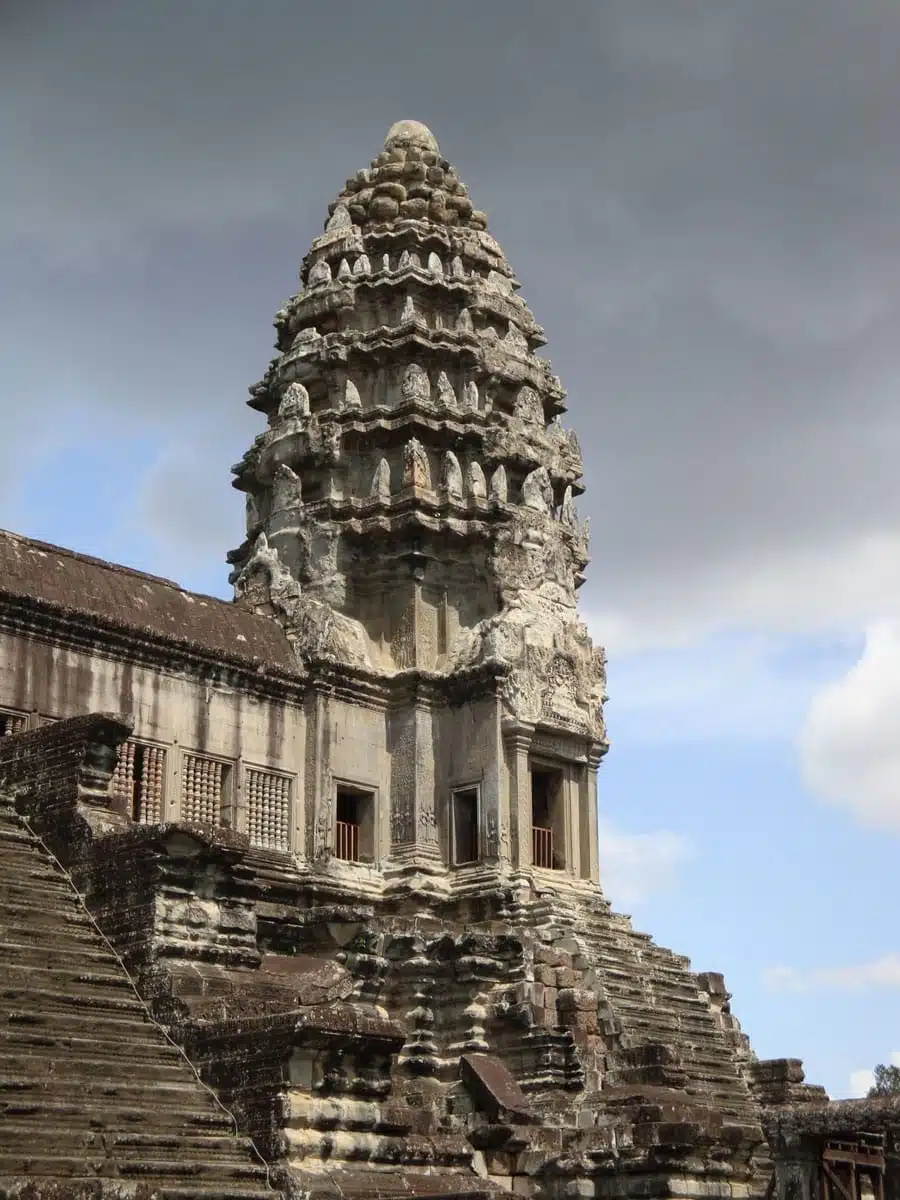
344,834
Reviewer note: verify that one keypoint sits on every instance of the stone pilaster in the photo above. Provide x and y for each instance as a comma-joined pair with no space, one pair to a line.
517,742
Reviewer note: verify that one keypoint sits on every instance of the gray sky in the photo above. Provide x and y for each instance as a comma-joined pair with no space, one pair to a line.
700,199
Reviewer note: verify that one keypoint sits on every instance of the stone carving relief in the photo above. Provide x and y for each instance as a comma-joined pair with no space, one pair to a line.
339,219
477,483
515,340
528,407
381,481
409,310
324,832
445,393
499,485
294,403
567,513
435,266
452,476
264,580
287,490
427,826
305,341
362,266
351,395
416,471
457,270
319,273
470,396
344,271
537,492
401,823
415,384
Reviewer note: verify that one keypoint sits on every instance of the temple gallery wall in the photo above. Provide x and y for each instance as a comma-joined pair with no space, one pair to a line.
324,858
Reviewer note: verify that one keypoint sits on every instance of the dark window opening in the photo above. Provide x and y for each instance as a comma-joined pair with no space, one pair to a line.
11,723
354,834
547,819
465,826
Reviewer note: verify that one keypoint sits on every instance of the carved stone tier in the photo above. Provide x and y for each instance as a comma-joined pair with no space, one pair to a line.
410,506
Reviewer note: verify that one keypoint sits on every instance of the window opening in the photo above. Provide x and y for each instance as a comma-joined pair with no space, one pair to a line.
547,819
354,834
268,808
464,847
205,789
138,781
12,722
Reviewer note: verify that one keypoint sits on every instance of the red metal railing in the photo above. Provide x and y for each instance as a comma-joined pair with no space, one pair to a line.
346,841
542,847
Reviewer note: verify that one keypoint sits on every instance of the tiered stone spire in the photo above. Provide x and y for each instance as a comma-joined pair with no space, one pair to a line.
410,507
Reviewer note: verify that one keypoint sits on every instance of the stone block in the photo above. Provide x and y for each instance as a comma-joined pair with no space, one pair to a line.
494,1088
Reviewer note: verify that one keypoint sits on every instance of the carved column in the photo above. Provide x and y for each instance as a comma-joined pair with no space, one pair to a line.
495,800
589,816
517,741
414,825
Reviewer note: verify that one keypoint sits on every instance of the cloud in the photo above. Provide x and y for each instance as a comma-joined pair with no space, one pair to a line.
849,748
862,1080
638,865
699,208
744,688
884,972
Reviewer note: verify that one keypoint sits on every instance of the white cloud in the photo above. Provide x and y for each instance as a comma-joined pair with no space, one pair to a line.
849,747
862,1080
883,972
634,866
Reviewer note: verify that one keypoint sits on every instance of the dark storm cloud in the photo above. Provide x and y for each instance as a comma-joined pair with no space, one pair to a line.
699,198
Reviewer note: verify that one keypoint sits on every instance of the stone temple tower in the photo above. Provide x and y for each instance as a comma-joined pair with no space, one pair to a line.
411,523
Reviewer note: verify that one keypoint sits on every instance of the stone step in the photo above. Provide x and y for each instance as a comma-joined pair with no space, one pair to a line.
194,1191
67,975
67,1020
199,1113
149,1170
50,1068
126,1144
143,1092
23,915
33,882
44,999
31,953
148,1043
12,833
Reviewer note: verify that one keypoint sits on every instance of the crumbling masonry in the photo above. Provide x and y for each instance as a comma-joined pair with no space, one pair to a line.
342,833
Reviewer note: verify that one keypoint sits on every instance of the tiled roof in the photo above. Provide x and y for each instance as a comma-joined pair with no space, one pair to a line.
121,597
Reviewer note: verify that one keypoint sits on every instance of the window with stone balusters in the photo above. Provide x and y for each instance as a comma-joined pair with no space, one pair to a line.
268,797
139,780
205,789
12,722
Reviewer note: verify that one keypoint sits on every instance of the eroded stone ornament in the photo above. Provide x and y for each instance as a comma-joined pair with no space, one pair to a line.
499,485
537,492
528,407
416,471
452,476
477,483
416,385
319,273
381,480
294,403
445,393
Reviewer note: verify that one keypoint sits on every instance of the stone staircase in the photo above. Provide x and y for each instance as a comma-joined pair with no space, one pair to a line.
91,1092
656,999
